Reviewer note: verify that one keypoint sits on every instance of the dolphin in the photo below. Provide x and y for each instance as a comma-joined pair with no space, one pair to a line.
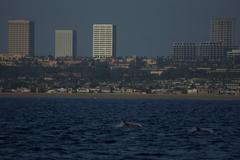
125,124
201,130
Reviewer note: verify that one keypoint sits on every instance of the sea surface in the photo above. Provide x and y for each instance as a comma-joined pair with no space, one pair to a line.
88,129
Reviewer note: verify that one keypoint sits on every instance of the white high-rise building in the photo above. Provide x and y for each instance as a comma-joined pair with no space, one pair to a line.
64,43
103,41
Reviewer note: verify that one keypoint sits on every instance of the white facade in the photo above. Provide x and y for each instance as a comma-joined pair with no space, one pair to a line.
103,41
64,43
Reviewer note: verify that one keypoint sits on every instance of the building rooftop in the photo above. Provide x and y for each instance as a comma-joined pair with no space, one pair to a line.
18,21
63,30
102,24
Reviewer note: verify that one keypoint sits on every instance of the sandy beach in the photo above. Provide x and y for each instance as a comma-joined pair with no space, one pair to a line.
121,96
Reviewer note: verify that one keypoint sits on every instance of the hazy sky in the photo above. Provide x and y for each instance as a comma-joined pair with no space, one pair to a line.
144,27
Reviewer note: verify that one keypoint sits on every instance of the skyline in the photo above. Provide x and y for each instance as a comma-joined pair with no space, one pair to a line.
146,34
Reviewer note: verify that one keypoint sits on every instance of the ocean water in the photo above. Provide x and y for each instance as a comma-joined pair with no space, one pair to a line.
81,129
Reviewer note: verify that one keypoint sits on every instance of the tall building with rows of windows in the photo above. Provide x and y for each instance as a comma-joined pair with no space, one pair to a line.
211,51
103,41
222,39
223,30
185,52
65,43
21,37
205,51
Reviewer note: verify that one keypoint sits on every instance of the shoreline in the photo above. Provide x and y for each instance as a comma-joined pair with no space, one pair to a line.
119,96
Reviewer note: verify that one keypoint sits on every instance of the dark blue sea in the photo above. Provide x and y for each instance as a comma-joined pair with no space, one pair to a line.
85,129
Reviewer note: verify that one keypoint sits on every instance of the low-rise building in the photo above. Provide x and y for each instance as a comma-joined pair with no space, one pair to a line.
185,52
234,56
211,51
83,90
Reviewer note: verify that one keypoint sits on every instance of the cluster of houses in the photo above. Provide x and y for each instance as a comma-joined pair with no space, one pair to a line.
178,87
73,81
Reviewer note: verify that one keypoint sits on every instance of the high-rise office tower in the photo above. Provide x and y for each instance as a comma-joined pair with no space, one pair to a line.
223,30
21,37
103,41
65,43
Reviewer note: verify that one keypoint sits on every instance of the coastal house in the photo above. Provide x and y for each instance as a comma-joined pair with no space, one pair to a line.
62,90
116,90
106,89
159,91
51,91
192,91
83,90
127,90
95,90
23,90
